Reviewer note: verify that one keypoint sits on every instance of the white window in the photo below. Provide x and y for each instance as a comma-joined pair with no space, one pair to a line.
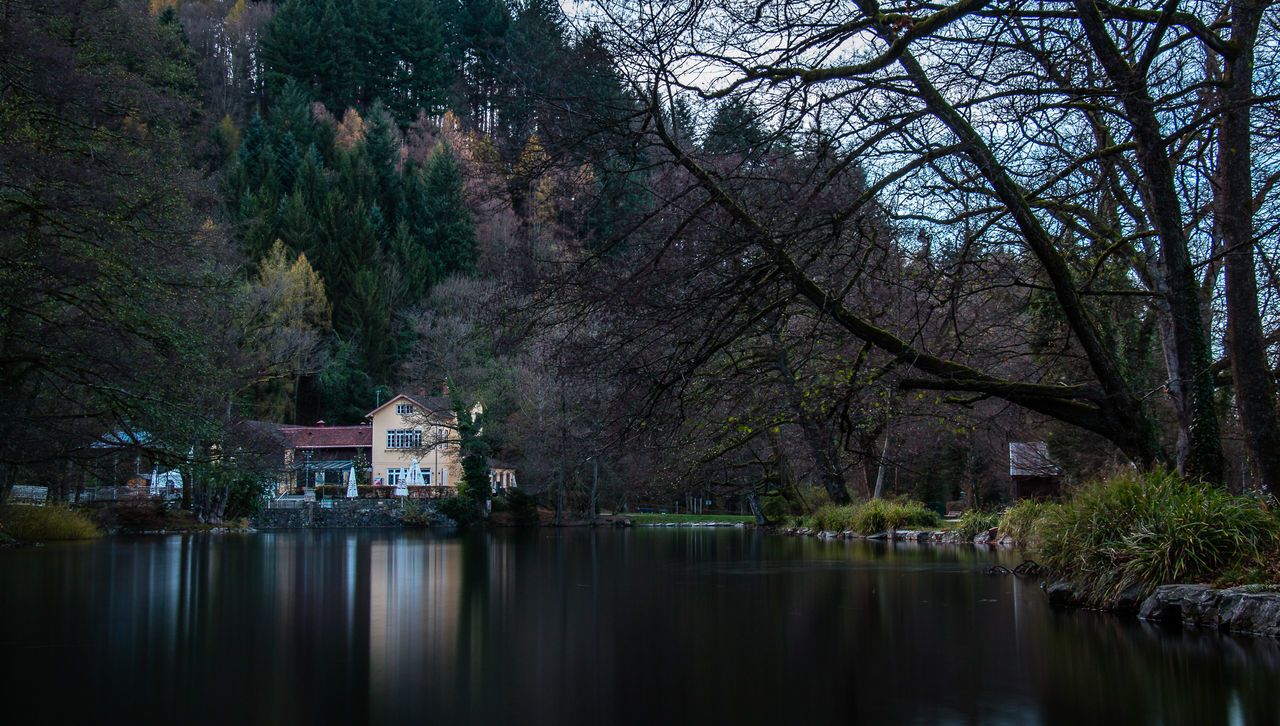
395,475
444,477
426,476
404,438
404,409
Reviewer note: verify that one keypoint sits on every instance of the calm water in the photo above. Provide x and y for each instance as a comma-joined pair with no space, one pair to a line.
641,626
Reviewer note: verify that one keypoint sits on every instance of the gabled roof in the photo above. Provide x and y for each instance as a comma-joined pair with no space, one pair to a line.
431,404
328,437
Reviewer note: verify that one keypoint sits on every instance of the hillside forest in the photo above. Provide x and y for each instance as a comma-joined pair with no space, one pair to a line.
732,253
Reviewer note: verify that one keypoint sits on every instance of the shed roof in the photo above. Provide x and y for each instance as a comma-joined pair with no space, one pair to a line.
1031,458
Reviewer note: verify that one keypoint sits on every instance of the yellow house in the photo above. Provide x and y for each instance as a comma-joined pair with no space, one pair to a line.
423,428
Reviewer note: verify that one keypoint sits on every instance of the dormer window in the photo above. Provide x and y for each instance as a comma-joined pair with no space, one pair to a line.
404,409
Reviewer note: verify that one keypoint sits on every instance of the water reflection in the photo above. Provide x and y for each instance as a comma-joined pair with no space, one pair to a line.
639,626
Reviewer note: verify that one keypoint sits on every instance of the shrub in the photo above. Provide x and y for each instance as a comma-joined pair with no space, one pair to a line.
773,506
1153,529
461,509
974,522
415,512
140,514
1019,521
45,524
523,507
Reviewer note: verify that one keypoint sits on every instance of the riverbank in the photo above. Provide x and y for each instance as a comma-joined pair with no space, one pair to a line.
939,536
1244,610
354,513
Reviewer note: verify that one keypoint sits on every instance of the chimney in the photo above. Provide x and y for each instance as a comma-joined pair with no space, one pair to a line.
444,387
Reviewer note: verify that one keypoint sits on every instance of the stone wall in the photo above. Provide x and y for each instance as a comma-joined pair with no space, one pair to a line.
354,513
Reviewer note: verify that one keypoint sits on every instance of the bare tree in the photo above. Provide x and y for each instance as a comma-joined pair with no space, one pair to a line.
1076,138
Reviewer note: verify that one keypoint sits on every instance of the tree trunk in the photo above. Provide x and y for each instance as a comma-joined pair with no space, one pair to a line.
1190,375
816,434
1254,387
753,501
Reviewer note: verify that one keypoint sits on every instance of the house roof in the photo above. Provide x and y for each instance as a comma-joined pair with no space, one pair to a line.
432,404
328,437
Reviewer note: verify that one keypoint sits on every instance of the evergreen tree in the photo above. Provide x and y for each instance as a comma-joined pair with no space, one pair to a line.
421,73
287,161
292,47
736,128
452,234
415,260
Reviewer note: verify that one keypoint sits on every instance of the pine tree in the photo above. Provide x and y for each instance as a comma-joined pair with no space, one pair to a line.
292,47
421,74
736,128
287,161
452,235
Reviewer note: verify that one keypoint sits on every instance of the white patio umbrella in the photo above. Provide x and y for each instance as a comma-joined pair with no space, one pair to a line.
412,478
352,493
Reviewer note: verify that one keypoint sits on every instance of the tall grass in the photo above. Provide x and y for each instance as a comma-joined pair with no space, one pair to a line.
1019,521
1153,529
877,515
46,524
974,522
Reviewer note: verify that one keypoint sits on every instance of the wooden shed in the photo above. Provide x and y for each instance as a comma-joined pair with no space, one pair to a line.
1033,471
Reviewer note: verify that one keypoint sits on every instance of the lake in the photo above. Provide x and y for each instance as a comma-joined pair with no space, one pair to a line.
644,626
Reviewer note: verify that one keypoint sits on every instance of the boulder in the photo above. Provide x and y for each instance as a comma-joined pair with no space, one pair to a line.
1236,610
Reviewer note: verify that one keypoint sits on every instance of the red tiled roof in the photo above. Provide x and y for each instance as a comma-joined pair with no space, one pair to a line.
328,437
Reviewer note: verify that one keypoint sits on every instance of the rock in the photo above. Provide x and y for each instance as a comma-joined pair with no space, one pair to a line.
1062,595
1237,609
878,535
1175,603
1130,601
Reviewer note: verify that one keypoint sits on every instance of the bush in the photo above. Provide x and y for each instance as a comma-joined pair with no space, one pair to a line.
773,506
1153,529
140,515
46,524
461,509
1019,521
974,522
523,507
415,512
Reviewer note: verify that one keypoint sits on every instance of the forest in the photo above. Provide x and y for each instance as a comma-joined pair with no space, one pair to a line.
731,251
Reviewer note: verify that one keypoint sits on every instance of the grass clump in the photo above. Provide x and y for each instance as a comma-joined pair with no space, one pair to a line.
1152,529
974,522
46,524
870,517
1019,521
